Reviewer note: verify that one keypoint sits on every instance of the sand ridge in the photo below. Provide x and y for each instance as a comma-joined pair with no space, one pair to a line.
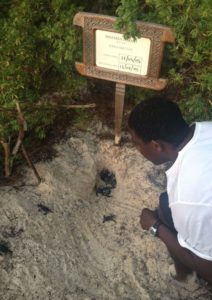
69,253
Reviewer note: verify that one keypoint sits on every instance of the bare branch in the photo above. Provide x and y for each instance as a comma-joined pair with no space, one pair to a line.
30,163
6,147
22,129
50,106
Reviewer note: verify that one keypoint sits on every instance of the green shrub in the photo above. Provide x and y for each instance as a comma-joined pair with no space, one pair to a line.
38,48
188,61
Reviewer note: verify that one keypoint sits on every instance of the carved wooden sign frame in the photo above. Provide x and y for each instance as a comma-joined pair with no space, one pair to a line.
157,35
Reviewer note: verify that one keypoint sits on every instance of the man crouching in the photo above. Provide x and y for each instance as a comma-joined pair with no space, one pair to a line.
183,220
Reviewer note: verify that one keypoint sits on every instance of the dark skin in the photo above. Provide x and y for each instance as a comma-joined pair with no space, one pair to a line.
185,261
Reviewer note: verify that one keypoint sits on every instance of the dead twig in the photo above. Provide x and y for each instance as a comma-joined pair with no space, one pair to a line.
50,106
19,142
92,105
22,129
6,147
30,163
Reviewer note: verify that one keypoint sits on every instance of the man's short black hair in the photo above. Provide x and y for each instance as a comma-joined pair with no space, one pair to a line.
158,118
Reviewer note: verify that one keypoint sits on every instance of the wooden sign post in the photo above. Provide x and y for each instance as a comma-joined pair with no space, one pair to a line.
107,55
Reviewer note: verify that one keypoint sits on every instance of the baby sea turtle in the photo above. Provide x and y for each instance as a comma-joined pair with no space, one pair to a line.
44,209
109,218
4,248
104,190
106,184
108,178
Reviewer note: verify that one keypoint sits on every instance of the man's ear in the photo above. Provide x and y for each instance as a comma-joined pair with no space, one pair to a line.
158,145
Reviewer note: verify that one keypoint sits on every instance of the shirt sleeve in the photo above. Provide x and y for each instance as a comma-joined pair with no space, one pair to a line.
194,226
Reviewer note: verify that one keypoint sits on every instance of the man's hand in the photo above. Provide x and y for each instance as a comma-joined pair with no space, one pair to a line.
148,218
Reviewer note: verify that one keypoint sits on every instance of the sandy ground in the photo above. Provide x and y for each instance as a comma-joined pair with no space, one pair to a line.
69,253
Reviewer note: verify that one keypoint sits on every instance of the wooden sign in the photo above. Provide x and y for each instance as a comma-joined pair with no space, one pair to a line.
107,55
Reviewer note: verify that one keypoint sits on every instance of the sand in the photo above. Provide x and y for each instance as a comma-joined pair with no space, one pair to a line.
68,252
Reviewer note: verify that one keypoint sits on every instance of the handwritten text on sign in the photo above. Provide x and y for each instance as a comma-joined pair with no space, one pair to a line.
115,53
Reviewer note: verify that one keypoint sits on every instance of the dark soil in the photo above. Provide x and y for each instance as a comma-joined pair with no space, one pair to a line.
100,92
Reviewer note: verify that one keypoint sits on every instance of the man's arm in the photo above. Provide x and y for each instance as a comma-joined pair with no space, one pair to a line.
177,251
148,218
184,259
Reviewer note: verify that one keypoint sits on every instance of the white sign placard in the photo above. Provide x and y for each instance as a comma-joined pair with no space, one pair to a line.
115,53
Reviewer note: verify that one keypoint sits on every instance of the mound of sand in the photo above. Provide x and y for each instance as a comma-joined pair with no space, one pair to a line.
56,241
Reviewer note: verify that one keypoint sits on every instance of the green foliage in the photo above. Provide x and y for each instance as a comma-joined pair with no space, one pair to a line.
107,7
128,13
188,61
82,119
39,45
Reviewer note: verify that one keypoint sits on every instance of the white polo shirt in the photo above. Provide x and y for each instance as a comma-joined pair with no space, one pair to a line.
189,187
